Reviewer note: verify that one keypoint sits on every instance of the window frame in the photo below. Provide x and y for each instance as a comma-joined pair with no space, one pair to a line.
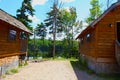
88,37
12,34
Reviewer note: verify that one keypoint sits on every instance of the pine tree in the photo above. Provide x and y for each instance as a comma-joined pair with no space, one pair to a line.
25,11
41,31
95,11
53,22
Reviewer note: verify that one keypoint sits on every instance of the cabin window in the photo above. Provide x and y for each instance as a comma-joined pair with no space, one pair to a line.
12,35
88,37
23,35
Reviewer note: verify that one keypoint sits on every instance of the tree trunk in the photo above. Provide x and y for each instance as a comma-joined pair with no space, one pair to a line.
54,36
54,43
72,42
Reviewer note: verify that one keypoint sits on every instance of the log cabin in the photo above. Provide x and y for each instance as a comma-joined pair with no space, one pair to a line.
99,43
13,41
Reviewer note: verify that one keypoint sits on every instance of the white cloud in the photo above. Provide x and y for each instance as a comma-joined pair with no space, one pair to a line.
34,19
64,1
67,9
38,2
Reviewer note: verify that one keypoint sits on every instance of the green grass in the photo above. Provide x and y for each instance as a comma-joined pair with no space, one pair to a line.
109,76
14,70
57,58
26,63
81,66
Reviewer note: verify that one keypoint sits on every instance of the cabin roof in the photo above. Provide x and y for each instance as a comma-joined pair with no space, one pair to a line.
13,21
98,19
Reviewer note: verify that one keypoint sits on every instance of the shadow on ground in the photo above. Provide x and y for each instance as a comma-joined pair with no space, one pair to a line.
83,74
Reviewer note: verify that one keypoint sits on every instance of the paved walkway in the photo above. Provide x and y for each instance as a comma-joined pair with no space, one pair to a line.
50,70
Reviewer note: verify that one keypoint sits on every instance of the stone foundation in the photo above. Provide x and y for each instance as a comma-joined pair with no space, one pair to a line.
8,63
102,65
107,68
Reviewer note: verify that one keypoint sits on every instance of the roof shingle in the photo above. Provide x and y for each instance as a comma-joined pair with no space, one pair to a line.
13,21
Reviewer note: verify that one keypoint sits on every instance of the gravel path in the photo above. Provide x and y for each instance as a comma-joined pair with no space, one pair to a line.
50,70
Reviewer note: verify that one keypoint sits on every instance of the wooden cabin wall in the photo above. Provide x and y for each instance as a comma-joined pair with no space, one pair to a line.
7,47
87,46
106,37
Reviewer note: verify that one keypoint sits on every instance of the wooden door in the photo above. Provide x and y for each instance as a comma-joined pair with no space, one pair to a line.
117,45
118,31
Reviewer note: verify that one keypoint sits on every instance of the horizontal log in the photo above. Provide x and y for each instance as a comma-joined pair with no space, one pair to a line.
106,60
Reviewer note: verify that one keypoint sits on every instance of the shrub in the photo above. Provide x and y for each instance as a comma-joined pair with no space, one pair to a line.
14,70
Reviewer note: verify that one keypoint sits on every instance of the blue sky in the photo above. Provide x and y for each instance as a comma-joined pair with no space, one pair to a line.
43,6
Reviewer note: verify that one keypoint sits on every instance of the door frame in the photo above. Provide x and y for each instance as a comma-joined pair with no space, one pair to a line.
116,28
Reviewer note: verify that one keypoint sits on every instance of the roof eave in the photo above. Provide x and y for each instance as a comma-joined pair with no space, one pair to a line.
99,18
4,16
105,13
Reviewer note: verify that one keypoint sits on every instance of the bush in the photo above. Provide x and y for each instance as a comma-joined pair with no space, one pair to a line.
14,70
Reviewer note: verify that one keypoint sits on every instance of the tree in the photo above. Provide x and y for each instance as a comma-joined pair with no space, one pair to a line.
41,31
68,17
53,22
25,11
68,21
95,11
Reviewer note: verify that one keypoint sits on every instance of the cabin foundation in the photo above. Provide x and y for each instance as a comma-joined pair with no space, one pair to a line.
107,68
8,63
102,66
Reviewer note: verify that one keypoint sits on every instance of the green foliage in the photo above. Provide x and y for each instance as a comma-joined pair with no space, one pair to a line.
41,31
45,50
14,70
25,10
68,19
53,21
26,63
109,76
95,11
